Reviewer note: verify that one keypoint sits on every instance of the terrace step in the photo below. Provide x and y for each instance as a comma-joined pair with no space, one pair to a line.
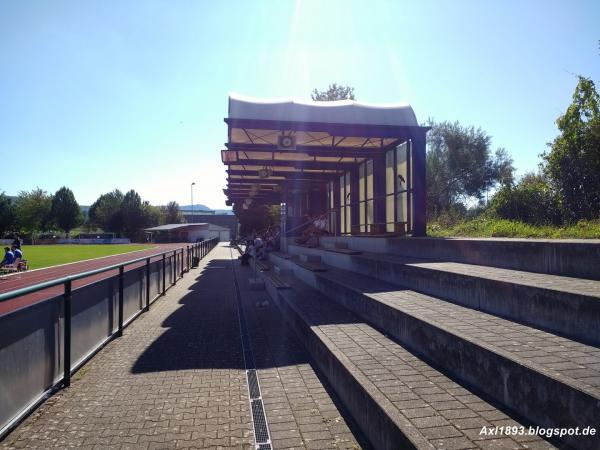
344,251
398,400
564,305
546,378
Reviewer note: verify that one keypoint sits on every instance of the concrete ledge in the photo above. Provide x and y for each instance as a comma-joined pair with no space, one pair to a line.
579,258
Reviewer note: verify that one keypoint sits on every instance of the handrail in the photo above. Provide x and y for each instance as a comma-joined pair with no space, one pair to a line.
195,253
48,284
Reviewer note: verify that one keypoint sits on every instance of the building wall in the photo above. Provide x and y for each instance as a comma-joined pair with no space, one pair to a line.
223,220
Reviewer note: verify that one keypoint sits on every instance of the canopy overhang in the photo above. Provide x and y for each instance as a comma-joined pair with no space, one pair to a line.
327,138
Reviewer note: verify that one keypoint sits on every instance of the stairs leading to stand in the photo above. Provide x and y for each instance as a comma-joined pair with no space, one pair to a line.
426,353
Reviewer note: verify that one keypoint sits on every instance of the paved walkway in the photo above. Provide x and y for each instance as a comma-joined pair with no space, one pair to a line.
176,379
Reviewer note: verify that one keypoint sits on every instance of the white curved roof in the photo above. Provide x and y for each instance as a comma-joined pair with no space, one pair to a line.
341,111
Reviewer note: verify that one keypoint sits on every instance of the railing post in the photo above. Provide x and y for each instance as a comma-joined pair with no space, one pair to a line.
121,270
182,262
164,274
147,284
174,266
67,337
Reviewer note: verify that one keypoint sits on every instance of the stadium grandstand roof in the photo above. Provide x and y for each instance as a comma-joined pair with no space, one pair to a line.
174,226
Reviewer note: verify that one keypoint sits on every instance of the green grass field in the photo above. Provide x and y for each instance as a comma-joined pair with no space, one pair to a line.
39,256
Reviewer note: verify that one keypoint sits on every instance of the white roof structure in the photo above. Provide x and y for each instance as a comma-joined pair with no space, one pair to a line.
342,111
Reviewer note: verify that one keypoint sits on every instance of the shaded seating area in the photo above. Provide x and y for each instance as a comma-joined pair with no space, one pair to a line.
359,167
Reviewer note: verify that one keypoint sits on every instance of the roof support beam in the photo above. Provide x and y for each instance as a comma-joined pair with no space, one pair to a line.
298,165
288,175
353,152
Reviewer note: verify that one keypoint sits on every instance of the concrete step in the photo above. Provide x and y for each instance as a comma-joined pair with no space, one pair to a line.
563,305
546,378
397,399
579,258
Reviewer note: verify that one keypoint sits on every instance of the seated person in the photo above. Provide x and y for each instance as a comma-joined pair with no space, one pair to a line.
9,258
18,254
317,227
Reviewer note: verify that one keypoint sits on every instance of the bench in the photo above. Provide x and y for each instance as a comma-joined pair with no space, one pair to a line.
282,255
313,267
276,281
262,266
344,251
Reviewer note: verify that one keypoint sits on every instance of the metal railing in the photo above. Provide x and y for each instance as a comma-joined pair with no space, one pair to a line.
181,260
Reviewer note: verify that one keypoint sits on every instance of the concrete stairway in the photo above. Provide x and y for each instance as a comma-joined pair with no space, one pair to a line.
563,305
388,328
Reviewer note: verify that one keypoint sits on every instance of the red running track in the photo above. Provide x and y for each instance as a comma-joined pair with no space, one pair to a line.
24,279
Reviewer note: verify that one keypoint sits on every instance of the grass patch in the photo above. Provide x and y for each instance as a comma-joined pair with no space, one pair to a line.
487,227
39,256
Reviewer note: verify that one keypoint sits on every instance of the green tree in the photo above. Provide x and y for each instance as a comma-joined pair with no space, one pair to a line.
151,215
171,213
133,214
334,92
33,211
105,212
7,214
460,166
256,218
65,210
573,162
531,200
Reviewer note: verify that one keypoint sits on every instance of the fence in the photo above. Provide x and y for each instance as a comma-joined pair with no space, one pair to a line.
43,344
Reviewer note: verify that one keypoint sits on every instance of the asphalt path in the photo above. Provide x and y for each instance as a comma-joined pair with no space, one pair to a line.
24,279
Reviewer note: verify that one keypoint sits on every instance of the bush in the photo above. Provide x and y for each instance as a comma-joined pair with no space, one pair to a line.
530,201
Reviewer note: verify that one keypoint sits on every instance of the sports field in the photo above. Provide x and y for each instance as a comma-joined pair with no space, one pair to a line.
39,256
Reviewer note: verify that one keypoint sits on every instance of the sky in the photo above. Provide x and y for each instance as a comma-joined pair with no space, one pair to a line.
108,94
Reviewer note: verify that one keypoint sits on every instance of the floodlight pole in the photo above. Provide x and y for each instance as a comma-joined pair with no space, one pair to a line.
192,195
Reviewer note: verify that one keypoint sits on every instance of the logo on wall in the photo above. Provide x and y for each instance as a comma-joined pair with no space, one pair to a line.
286,142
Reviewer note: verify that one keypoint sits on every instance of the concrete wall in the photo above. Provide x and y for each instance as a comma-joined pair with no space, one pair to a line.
31,339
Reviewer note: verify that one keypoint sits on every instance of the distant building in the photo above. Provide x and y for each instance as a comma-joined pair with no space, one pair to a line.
186,232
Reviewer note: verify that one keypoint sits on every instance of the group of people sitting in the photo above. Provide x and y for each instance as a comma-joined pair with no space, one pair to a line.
260,245
317,226
13,258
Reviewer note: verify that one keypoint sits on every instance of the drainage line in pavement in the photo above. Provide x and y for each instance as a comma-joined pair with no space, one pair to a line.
259,420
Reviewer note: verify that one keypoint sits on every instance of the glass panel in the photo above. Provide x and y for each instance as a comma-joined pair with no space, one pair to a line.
401,207
361,183
361,214
348,220
370,211
369,170
401,166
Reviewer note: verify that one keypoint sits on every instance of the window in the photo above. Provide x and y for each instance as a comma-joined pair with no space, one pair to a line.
345,208
398,188
365,197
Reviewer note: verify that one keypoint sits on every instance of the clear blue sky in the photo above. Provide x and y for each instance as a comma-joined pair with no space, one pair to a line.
107,94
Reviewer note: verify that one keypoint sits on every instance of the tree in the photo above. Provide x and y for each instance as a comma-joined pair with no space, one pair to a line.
531,200
573,162
460,166
65,210
256,218
172,214
7,214
105,212
334,92
133,214
33,211
151,215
